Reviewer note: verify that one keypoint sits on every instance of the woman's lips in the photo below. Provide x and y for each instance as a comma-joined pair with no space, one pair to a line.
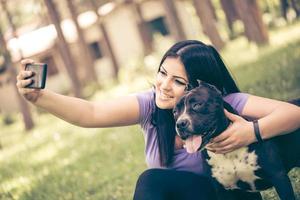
164,96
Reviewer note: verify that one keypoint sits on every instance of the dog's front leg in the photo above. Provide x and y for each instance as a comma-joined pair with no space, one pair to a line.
272,165
283,186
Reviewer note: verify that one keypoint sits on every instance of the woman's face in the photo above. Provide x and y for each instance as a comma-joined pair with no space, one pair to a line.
171,82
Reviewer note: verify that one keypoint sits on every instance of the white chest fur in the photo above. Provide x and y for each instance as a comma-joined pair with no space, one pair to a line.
229,168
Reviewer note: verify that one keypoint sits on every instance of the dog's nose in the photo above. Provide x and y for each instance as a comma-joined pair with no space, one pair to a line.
182,124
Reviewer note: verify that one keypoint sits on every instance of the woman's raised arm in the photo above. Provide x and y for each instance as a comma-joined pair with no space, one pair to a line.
119,112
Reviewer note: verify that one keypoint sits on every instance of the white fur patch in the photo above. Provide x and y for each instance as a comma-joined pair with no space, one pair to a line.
231,167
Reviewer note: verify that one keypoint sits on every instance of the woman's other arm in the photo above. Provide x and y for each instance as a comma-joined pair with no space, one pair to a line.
275,117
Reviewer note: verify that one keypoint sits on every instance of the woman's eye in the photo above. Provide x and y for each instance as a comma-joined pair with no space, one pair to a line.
162,73
197,106
179,82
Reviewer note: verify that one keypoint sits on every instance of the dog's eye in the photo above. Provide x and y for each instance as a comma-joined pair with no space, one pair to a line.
197,106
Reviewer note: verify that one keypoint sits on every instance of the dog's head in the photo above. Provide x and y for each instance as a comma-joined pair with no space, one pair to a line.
200,112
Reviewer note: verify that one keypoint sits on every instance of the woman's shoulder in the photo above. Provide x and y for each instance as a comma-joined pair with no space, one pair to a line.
237,100
146,101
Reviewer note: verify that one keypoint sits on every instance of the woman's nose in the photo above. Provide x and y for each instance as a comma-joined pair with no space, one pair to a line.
166,84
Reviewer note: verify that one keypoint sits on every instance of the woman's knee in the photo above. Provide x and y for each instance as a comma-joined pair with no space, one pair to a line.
148,187
149,177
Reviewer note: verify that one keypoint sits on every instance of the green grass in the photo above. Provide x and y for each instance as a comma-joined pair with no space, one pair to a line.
276,74
58,161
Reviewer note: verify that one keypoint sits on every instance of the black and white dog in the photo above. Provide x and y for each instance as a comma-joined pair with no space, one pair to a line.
199,116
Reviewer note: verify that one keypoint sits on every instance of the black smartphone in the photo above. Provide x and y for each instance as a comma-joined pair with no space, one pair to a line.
39,75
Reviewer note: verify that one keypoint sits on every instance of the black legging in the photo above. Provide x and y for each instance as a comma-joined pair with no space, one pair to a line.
164,184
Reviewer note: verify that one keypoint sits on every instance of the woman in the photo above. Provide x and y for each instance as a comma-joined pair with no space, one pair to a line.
173,173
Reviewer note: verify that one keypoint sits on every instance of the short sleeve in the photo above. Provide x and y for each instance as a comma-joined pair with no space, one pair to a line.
146,106
237,101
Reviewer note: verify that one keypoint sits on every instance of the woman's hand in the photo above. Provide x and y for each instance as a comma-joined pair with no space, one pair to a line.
30,94
240,133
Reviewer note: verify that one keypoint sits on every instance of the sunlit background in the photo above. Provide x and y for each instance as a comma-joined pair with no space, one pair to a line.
97,50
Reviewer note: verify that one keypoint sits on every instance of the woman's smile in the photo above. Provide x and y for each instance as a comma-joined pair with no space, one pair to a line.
164,97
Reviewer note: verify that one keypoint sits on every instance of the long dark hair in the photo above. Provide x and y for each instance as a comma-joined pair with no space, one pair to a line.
201,62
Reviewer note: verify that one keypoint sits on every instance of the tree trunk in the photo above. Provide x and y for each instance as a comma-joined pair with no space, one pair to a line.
11,25
231,14
89,62
250,14
212,10
208,22
107,42
27,118
142,27
64,48
173,20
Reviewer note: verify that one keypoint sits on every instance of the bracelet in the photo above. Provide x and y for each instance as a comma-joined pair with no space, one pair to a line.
257,132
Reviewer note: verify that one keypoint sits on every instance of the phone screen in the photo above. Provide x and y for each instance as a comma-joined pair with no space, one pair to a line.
39,75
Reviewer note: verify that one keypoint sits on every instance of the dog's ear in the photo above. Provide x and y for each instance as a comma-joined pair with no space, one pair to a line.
205,84
215,89
199,82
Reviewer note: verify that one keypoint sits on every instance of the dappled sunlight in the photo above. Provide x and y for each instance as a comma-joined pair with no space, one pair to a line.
20,184
285,35
58,160
106,8
240,51
44,38
45,153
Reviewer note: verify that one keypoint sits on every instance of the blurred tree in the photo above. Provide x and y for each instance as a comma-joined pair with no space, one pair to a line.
142,26
250,14
86,56
285,4
94,6
213,10
11,25
173,20
27,118
231,15
204,11
64,48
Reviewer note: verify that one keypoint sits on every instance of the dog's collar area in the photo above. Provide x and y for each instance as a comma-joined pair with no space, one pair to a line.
204,140
213,133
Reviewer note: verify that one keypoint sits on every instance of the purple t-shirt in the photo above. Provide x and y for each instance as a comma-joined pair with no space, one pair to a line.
182,160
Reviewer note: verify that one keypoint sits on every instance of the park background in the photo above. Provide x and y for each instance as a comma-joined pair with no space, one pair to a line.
99,50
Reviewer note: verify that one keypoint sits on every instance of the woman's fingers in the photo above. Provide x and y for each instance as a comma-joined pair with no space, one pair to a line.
23,83
25,62
25,91
221,144
24,74
22,80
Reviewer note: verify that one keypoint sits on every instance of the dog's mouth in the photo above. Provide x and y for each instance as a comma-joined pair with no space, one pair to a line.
196,143
192,143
